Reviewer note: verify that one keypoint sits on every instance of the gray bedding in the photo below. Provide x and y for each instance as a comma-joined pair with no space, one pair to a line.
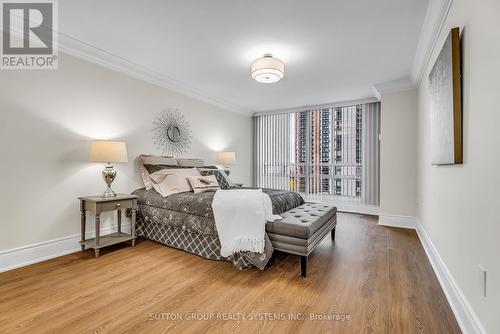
185,221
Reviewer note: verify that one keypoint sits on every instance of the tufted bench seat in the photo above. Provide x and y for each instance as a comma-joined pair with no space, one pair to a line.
302,229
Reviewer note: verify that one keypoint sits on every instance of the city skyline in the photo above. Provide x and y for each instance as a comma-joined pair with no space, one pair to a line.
327,153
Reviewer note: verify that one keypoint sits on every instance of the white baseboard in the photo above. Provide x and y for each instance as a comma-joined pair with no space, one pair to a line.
23,256
397,221
362,209
465,315
466,318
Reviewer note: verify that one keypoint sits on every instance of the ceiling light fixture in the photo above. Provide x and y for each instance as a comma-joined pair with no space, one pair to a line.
268,69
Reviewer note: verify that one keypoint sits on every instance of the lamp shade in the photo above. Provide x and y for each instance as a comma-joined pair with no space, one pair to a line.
108,151
226,158
268,69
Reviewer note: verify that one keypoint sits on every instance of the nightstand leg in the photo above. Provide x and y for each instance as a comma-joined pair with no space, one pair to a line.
134,214
96,252
119,218
82,222
97,230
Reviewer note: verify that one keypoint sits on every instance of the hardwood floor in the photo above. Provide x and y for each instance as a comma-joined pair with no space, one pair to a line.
374,279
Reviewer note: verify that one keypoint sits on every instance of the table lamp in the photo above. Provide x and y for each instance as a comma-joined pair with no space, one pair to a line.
108,152
226,159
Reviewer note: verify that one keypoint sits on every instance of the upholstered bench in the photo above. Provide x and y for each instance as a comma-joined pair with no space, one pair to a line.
302,229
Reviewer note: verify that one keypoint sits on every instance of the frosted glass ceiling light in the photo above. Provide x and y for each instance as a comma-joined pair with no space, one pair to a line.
268,69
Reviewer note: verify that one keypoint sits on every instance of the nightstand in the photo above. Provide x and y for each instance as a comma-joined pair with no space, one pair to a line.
97,205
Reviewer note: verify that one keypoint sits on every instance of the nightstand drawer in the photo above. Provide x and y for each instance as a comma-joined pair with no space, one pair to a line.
115,205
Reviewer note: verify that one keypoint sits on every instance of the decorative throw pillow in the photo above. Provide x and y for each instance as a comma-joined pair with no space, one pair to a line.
155,168
146,159
172,181
203,183
221,177
148,183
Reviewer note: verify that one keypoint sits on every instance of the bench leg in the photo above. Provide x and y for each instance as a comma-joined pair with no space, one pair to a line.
333,234
303,266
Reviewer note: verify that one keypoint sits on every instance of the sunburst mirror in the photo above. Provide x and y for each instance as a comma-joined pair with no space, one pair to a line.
172,133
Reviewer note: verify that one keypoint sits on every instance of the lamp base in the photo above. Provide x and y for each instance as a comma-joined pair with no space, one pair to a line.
108,193
109,174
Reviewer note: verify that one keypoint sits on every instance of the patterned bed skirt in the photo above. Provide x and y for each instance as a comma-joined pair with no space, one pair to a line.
202,245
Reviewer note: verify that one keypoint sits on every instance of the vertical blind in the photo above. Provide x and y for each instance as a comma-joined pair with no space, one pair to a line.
330,152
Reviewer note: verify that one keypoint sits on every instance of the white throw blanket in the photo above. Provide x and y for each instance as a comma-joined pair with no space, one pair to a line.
240,217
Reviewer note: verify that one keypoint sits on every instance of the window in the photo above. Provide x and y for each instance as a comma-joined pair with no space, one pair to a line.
327,152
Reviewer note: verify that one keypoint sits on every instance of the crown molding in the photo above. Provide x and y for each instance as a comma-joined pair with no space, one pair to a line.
90,53
435,16
318,106
87,52
394,86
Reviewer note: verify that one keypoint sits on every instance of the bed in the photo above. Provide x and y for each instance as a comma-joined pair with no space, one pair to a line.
185,221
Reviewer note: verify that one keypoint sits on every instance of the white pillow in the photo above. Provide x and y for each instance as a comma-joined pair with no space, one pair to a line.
172,181
146,159
203,183
148,183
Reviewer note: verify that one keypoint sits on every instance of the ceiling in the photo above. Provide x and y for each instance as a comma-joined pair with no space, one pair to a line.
334,50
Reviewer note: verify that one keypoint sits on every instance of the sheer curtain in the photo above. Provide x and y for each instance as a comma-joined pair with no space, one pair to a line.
370,154
274,142
326,152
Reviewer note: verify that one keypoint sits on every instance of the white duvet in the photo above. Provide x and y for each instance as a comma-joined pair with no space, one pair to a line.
240,217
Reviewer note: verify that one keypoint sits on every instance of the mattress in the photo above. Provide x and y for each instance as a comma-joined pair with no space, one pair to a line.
185,221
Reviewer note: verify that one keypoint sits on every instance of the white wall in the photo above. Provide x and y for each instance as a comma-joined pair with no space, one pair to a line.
458,205
398,145
47,119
